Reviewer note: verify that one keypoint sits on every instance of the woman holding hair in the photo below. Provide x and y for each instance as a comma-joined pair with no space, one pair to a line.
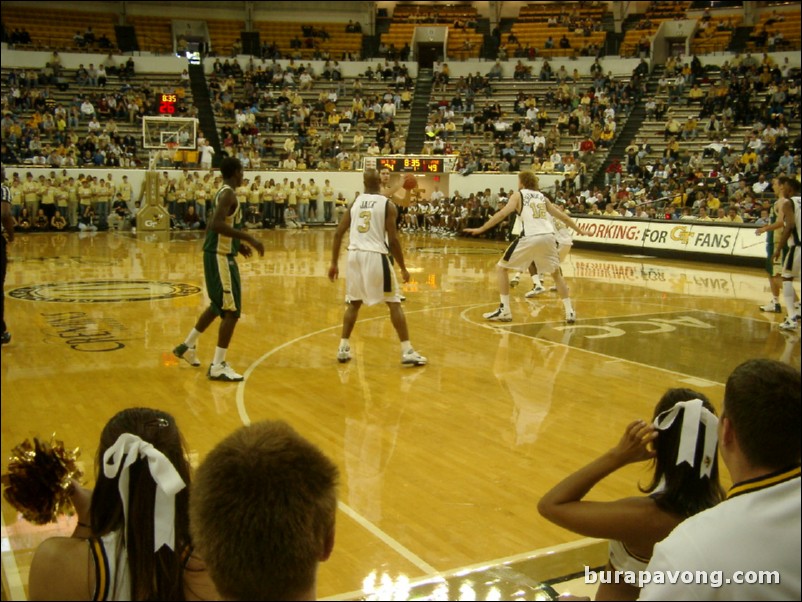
682,440
132,540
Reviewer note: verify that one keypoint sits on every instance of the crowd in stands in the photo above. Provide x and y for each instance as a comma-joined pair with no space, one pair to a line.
17,36
721,154
44,124
587,108
309,43
316,132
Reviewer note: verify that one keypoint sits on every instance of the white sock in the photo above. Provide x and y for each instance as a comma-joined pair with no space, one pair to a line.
788,297
536,280
192,338
505,301
406,346
775,299
219,356
567,304
344,344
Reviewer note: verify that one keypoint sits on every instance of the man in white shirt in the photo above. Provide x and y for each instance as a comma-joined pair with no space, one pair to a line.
761,185
756,530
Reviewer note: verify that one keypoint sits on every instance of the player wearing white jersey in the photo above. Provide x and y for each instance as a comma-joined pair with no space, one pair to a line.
790,237
370,278
537,243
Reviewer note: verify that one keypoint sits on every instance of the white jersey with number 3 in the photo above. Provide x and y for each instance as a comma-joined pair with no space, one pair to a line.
368,213
534,214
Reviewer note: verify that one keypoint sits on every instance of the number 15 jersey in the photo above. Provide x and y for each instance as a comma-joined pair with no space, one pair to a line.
534,215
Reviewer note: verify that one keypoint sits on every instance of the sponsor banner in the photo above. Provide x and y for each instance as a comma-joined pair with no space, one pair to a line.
674,236
612,231
749,244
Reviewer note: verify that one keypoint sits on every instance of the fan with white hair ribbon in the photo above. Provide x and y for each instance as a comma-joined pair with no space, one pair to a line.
695,414
119,457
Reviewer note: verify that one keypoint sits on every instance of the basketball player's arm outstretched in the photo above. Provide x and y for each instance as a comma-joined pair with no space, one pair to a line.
512,205
788,219
559,214
342,228
391,192
226,205
392,239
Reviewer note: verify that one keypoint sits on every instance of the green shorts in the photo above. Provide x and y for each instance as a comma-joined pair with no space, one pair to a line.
774,268
223,283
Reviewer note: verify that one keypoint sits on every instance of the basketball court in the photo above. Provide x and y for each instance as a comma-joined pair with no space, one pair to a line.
441,466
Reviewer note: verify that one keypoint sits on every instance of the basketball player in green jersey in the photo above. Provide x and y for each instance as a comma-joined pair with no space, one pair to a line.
225,237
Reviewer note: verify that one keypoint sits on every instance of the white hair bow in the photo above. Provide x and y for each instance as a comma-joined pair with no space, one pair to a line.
119,457
695,414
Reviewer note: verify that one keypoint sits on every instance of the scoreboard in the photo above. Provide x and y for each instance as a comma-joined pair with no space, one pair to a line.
429,165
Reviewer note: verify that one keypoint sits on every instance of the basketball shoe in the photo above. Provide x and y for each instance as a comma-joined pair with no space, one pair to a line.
789,324
344,354
224,372
413,358
771,307
536,290
502,314
570,316
188,354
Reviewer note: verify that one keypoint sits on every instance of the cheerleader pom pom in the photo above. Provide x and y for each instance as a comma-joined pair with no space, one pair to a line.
39,480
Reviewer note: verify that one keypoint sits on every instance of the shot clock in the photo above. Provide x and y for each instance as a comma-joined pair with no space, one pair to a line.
167,103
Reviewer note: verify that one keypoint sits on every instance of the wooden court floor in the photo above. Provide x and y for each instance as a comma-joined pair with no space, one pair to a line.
441,466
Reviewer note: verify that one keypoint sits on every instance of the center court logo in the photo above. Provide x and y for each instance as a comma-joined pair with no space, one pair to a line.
104,291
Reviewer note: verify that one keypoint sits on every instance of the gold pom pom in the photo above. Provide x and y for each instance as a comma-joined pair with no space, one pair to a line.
39,480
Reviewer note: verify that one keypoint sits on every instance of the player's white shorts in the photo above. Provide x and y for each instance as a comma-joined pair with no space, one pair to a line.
563,249
540,248
370,278
791,262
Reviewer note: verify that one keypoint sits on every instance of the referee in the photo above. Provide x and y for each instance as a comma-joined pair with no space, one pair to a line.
7,237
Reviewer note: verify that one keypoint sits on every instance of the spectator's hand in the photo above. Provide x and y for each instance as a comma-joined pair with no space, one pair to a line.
635,445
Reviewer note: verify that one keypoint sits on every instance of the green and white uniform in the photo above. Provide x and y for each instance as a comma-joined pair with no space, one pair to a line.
220,263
